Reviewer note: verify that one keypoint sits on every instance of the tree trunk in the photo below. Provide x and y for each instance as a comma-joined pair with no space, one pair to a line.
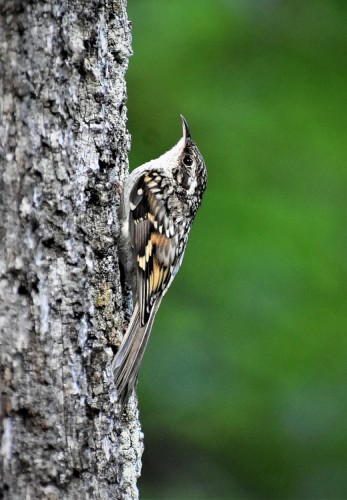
63,146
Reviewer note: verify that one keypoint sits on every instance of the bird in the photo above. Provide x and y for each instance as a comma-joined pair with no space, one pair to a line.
159,202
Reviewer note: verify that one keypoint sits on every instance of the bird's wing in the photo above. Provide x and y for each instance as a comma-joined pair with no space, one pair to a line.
154,239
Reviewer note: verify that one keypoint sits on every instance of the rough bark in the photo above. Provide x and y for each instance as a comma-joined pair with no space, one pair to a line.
62,306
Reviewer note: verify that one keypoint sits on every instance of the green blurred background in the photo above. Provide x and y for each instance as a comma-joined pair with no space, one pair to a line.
243,386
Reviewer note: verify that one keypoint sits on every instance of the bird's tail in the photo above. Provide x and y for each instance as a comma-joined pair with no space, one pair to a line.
126,364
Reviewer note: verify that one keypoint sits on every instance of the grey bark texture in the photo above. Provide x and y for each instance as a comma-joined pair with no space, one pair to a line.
63,146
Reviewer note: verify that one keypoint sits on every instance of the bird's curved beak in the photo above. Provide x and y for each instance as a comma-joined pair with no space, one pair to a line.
186,131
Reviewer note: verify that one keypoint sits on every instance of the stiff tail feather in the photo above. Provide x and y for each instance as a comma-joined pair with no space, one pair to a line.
127,361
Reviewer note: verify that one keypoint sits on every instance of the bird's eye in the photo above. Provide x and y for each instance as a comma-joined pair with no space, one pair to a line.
187,160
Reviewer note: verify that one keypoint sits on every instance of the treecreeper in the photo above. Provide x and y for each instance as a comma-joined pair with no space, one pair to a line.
159,203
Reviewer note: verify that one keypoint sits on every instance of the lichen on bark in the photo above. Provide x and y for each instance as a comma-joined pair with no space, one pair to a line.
63,146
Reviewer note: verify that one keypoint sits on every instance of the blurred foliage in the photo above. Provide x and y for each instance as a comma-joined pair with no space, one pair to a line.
243,385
